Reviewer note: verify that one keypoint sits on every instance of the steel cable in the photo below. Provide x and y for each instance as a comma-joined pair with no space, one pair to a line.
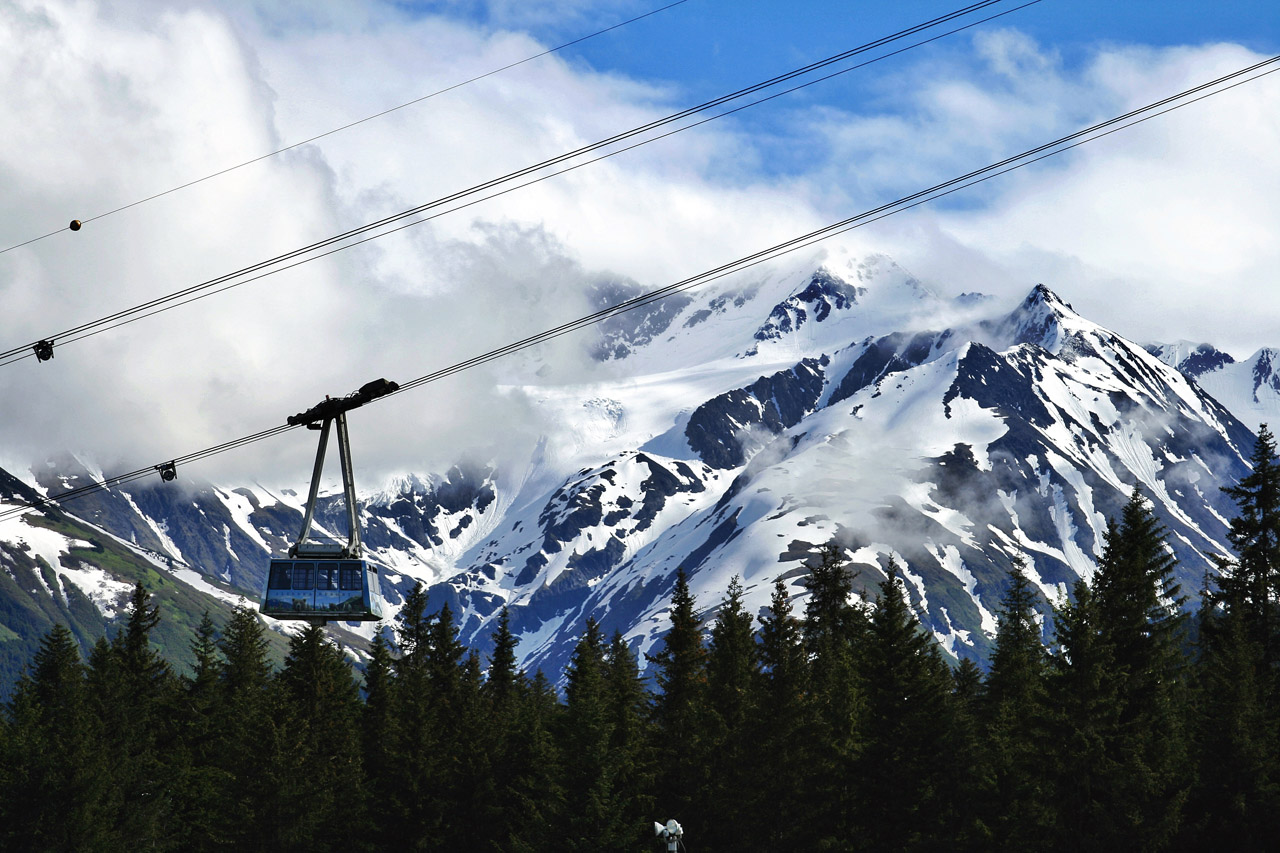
1009,164
78,332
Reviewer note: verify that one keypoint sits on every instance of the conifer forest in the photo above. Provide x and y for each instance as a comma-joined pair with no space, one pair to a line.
1118,718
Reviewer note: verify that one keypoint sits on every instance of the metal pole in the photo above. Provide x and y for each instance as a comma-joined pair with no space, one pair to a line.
349,486
315,488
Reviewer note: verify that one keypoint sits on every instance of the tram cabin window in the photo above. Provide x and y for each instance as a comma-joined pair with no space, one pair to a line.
280,577
327,577
352,576
303,575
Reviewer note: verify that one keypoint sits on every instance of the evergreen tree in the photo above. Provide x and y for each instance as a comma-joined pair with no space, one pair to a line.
445,656
600,732
966,683
832,619
133,692
501,695
534,794
973,782
1118,693
1250,583
320,799
909,724
435,694
835,631
783,727
679,709
629,737
143,667
379,733
732,675
245,730
782,656
1141,621
476,816
526,794
413,634
732,663
245,669
57,783
414,776
592,796
1236,721
204,649
502,682
1235,802
1015,705
1084,698
377,674
200,778
1139,601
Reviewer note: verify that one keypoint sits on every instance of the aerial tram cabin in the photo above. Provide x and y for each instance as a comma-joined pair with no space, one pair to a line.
317,589
322,581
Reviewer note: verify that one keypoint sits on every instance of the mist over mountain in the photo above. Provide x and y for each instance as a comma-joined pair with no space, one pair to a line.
746,423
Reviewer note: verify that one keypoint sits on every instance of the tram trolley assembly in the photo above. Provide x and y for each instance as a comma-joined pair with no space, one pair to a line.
322,581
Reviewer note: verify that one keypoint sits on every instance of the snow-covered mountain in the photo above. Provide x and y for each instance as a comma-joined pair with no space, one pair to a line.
1249,388
743,426
955,450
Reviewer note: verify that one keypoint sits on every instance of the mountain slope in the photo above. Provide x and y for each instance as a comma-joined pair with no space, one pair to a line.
60,569
952,455
1250,388
745,425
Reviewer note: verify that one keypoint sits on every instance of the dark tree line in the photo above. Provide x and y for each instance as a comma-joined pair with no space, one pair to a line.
1120,723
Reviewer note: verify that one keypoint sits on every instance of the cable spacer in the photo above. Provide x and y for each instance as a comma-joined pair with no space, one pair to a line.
43,350
168,471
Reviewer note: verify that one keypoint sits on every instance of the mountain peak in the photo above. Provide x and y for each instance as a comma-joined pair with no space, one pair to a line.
1039,319
825,292
1041,295
1192,359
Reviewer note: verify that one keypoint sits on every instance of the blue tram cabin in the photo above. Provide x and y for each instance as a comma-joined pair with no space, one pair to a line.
311,589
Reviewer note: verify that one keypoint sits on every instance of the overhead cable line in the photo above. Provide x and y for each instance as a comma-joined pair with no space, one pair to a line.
43,348
77,224
168,306
970,179
977,176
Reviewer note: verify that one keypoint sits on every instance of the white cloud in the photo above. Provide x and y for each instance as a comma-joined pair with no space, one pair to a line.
1160,231
113,110
1147,231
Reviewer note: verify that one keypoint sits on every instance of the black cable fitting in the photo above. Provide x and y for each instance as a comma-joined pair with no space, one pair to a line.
168,471
43,350
331,407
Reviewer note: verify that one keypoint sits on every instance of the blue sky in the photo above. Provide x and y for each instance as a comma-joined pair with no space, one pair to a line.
704,48
709,46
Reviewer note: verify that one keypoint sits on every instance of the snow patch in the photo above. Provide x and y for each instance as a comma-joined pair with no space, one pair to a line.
109,595
240,508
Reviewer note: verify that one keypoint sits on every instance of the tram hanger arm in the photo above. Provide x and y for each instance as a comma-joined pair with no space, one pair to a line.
331,407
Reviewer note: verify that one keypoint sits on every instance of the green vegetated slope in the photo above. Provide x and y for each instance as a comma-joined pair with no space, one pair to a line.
33,597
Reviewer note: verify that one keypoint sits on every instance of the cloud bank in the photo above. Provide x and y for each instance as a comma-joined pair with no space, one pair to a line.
1148,232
